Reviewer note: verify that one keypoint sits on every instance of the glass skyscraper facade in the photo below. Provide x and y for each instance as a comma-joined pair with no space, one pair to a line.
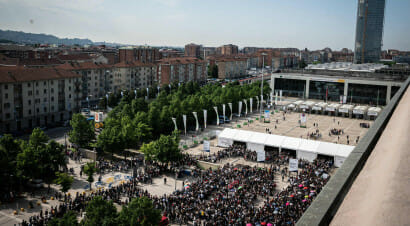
369,31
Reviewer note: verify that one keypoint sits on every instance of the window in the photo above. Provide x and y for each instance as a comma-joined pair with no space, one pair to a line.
69,88
28,84
69,81
52,108
52,90
6,86
7,115
6,95
36,83
52,98
29,112
45,99
44,83
45,91
38,110
45,109
52,82
6,105
37,92
29,102
30,93
69,96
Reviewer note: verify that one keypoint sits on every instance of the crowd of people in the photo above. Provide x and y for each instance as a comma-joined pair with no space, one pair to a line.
235,150
364,125
335,131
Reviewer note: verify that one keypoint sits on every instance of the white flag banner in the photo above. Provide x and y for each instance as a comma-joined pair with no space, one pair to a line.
122,94
196,119
257,103
223,111
135,93
205,113
230,107
262,101
240,108
341,99
246,106
293,165
207,146
147,92
276,98
267,115
175,123
280,95
106,95
250,104
303,119
217,115
271,98
184,119
344,99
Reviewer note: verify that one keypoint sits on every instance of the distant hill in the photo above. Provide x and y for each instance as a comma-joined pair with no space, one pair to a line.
30,38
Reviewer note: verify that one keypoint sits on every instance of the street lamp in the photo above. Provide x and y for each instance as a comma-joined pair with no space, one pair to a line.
263,65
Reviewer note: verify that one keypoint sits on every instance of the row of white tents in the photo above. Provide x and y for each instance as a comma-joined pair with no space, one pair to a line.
334,107
305,149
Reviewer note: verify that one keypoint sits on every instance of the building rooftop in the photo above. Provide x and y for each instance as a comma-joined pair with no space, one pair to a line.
346,66
24,74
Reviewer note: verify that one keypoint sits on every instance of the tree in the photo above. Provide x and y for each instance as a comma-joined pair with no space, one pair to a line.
89,170
69,219
82,132
164,150
139,212
100,212
9,149
213,71
111,139
64,180
102,104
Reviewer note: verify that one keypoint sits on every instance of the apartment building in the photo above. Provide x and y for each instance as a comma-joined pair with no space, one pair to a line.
131,76
182,69
35,97
193,50
229,67
227,50
143,54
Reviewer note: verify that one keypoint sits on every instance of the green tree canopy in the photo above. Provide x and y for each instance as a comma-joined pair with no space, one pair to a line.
164,150
69,219
64,180
89,170
82,132
100,212
139,212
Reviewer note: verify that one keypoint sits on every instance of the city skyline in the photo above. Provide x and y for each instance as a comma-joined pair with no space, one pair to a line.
178,22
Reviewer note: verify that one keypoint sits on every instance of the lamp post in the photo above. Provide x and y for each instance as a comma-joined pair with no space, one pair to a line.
263,65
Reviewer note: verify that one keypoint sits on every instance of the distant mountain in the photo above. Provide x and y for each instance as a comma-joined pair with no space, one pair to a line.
30,38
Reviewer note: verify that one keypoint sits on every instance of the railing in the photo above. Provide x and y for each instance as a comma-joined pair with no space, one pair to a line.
325,206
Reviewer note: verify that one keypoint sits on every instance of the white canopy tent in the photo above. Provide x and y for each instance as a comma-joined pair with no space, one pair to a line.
319,106
332,107
346,108
373,111
307,105
305,149
298,102
360,110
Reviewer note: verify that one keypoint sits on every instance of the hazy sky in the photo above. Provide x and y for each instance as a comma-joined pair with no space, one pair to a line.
314,24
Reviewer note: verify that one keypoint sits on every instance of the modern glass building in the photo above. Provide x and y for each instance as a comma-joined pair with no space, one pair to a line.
369,31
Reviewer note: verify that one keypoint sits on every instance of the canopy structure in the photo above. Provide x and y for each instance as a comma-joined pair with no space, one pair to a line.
373,111
298,102
305,149
360,110
346,108
307,105
332,107
292,105
319,106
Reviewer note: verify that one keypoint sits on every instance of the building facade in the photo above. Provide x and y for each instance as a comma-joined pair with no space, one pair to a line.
227,50
230,67
369,31
193,50
143,54
131,76
36,97
183,69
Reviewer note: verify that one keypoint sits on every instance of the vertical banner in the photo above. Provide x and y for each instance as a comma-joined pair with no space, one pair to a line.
135,93
217,115
230,107
196,119
158,89
122,94
293,165
246,107
276,98
344,99
223,111
271,98
303,119
205,118
262,102
106,95
327,92
250,103
240,108
148,92
184,119
280,95
175,123
257,103
207,146
341,99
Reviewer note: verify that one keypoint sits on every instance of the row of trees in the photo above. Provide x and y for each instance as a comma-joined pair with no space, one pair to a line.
37,158
135,121
139,211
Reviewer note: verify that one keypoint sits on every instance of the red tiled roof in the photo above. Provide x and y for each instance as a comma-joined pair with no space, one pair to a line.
23,74
83,65
81,56
7,61
133,64
180,60
40,62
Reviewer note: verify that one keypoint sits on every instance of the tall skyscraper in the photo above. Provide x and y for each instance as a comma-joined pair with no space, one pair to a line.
369,31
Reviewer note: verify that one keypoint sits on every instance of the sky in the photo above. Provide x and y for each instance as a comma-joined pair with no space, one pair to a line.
312,24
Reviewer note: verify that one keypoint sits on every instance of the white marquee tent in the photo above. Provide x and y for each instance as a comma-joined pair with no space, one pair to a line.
305,149
374,111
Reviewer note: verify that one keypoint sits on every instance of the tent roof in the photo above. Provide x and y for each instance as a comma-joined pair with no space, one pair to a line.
363,108
274,140
308,145
344,150
228,133
346,106
298,102
243,135
375,109
291,143
258,138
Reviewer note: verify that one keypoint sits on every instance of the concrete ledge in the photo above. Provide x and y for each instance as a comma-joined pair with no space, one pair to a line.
325,206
